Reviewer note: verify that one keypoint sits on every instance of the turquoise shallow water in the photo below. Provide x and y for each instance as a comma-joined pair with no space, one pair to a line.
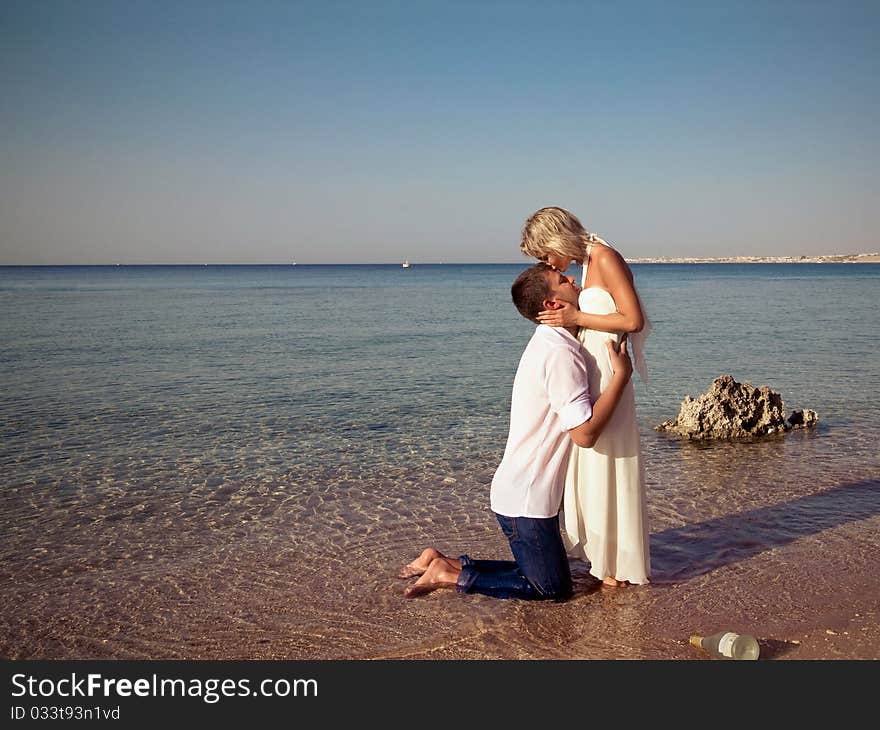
232,461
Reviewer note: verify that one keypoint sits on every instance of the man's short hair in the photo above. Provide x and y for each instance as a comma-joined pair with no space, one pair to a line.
530,290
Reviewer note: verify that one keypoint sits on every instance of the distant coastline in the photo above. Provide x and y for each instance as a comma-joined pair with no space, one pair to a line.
851,258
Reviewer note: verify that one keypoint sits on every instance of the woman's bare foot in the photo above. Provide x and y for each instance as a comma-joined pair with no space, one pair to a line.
440,574
613,582
420,564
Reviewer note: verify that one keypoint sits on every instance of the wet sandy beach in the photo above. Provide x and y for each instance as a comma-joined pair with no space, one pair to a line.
808,590
188,476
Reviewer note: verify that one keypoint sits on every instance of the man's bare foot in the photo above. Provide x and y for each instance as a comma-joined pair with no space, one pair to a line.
440,574
613,582
420,564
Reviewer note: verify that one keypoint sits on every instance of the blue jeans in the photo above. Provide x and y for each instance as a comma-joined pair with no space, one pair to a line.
538,572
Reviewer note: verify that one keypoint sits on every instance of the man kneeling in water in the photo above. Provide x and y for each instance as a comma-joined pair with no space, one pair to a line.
550,408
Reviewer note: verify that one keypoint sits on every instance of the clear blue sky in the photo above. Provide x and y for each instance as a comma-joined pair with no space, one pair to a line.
333,132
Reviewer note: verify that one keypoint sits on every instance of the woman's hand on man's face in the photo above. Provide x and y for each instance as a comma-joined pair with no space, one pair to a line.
565,316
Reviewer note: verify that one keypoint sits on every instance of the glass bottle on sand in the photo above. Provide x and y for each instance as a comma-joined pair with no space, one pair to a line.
728,645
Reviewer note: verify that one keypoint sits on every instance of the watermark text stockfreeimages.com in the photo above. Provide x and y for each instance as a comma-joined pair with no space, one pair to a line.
209,690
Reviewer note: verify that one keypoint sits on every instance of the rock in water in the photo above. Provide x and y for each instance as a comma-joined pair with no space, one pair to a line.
735,410
803,419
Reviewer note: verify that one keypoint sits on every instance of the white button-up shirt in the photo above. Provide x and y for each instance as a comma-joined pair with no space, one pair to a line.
550,397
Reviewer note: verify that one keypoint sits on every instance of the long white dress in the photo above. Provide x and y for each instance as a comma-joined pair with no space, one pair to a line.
604,517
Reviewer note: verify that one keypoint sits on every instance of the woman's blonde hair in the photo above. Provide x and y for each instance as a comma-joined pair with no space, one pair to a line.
555,230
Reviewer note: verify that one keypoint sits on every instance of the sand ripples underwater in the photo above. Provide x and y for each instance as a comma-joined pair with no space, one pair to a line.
190,472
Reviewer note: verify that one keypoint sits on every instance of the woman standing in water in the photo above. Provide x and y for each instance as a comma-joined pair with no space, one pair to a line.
604,515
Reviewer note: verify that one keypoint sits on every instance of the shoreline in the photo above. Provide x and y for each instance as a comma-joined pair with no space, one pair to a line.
849,258
855,258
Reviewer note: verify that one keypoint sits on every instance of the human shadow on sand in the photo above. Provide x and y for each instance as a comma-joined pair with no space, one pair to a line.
682,553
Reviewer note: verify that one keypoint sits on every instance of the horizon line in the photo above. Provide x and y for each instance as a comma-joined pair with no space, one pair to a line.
819,258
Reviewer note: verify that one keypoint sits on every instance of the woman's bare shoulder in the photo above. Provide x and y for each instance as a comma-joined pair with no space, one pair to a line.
607,258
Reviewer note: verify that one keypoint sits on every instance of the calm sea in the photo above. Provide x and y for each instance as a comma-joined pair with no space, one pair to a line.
233,461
